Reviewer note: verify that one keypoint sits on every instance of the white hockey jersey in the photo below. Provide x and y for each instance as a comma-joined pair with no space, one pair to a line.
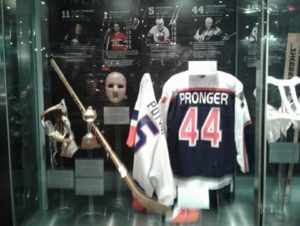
204,119
159,36
151,167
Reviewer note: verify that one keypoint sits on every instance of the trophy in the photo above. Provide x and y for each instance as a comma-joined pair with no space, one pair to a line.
57,127
89,140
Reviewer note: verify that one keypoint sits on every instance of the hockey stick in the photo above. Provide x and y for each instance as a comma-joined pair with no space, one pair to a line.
292,55
107,42
290,172
150,204
290,70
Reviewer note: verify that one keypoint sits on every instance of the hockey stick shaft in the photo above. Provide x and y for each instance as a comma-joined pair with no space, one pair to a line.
290,70
150,204
292,55
107,42
290,172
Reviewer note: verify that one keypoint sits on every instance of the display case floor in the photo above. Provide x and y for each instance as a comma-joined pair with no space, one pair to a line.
237,213
114,209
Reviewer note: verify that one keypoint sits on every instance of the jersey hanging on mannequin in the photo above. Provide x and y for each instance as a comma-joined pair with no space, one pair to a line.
151,166
204,113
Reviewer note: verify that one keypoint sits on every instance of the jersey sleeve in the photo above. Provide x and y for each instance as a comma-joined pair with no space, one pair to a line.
124,37
161,175
164,104
150,36
197,36
151,166
151,31
242,119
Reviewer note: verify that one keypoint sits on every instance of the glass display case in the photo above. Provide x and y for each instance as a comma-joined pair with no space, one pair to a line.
71,81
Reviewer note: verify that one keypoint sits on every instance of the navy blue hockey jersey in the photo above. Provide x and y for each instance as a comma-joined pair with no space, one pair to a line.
204,119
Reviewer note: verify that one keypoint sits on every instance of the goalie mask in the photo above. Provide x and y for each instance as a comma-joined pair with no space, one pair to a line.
59,130
115,87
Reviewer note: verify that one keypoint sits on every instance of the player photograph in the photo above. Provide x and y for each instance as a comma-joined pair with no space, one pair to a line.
208,32
115,39
159,33
76,36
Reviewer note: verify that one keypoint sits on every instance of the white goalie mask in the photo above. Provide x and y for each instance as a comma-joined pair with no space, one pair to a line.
115,87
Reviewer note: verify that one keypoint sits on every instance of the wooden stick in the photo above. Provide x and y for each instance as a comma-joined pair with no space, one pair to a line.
151,204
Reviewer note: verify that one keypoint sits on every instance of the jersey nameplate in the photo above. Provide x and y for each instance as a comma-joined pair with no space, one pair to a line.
204,97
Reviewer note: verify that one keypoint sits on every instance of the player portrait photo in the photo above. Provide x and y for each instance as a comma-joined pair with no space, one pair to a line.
159,33
208,32
115,39
76,36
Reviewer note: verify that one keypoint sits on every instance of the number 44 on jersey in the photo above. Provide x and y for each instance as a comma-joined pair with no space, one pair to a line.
210,130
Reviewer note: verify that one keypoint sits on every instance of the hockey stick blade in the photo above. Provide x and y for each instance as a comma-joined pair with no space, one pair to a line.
151,204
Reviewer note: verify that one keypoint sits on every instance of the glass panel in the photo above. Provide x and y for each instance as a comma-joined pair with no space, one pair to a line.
5,194
282,171
85,41
247,72
90,39
22,114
